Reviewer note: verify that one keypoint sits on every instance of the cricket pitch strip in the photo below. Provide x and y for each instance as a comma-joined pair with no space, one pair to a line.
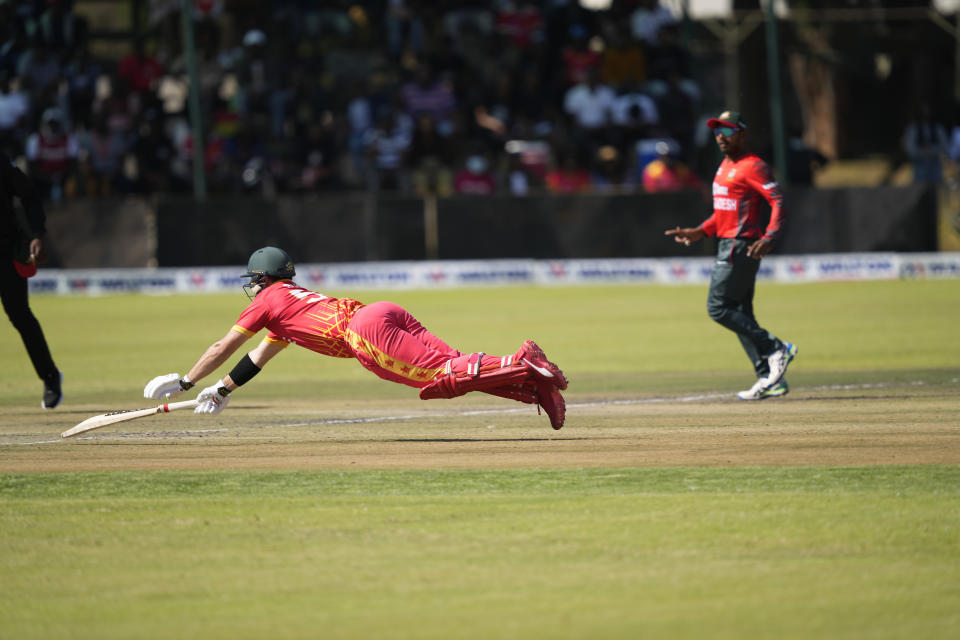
849,425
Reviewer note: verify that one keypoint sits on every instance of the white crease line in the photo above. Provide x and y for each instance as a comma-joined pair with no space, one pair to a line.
482,412
478,412
118,434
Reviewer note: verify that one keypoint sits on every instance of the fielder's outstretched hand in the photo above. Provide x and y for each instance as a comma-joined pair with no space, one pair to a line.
685,236
212,399
168,385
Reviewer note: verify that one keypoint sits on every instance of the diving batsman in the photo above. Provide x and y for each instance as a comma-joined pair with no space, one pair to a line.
384,337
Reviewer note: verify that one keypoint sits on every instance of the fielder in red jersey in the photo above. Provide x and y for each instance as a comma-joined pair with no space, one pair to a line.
385,338
742,185
740,188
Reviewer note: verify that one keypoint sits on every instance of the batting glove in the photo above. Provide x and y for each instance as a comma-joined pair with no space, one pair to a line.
169,385
213,399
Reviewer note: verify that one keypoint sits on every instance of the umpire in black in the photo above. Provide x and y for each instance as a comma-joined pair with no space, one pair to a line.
21,240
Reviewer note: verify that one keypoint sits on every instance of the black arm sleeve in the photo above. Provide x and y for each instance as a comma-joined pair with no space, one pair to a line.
244,371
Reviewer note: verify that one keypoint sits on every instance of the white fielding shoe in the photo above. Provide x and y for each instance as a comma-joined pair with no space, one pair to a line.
778,361
759,391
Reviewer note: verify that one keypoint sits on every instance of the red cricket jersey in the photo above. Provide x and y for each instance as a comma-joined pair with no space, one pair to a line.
294,314
738,191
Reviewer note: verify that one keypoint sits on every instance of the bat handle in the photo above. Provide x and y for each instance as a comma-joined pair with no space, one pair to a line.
173,406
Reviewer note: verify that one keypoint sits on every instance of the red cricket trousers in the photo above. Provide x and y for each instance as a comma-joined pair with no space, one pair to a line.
391,343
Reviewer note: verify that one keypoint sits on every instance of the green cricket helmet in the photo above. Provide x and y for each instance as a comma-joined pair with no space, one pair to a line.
268,261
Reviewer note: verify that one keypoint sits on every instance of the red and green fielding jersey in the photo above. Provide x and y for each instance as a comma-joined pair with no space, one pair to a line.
739,189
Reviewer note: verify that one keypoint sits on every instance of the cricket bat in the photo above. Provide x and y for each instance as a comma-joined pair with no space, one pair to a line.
122,416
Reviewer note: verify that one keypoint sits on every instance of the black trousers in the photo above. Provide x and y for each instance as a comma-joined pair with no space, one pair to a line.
13,292
730,301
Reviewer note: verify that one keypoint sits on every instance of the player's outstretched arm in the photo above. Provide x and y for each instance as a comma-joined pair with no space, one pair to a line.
172,384
215,355
685,235
215,398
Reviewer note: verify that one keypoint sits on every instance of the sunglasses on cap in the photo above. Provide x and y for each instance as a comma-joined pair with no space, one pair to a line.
726,132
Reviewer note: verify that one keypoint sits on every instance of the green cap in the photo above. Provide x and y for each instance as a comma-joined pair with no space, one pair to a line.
728,119
270,261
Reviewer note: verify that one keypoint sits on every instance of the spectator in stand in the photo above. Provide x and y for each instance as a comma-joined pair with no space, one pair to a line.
591,105
62,30
475,179
154,151
119,109
51,152
320,155
255,75
103,150
568,176
530,156
634,114
803,161
609,175
520,23
39,69
11,52
83,182
14,109
430,159
13,38
387,145
359,123
465,22
670,54
519,179
648,19
405,27
677,109
668,173
624,61
531,100
578,58
431,96
139,70
82,74
490,105
646,150
925,142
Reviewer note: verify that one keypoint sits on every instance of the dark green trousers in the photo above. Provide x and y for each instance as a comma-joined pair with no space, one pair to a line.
730,301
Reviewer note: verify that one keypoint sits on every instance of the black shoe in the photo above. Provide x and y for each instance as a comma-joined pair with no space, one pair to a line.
52,393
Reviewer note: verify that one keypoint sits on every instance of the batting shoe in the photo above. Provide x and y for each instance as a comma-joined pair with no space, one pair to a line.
541,368
549,398
52,391
760,392
778,361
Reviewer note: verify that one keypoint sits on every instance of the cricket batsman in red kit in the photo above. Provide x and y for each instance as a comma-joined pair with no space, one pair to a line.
385,338
741,187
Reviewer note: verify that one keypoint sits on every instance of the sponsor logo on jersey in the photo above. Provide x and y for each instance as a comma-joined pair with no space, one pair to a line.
720,189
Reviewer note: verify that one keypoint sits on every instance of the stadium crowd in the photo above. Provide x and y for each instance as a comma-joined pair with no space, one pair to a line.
452,96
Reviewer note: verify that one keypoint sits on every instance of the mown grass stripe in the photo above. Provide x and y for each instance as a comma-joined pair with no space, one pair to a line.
911,479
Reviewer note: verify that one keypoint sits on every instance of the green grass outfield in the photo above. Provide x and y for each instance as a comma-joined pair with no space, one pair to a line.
620,339
865,549
673,553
